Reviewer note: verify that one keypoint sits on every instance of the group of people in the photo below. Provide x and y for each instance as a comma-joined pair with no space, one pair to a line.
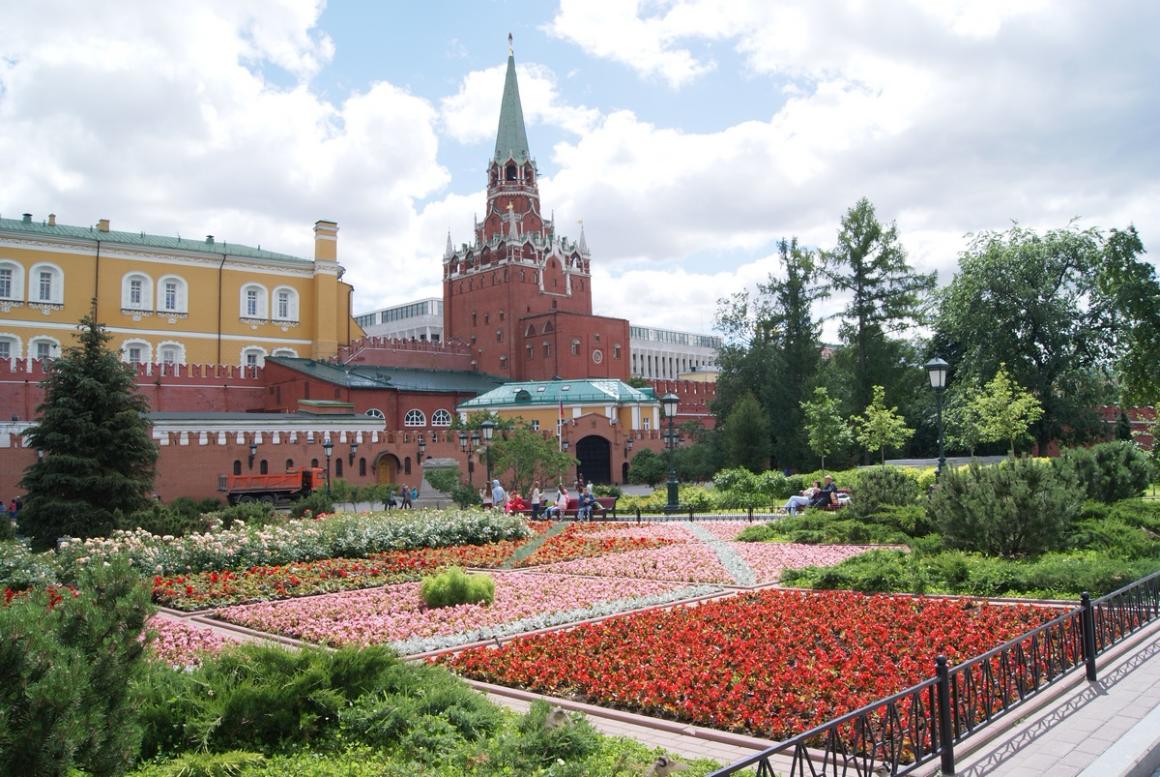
404,498
817,495
541,506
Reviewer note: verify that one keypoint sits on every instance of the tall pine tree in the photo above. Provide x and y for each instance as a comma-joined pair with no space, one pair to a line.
98,453
773,347
887,297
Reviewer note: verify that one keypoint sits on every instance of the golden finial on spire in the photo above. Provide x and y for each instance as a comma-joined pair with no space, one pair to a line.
510,51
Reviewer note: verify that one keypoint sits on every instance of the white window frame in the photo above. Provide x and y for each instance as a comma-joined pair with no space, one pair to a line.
441,417
374,412
292,306
258,351
146,301
167,344
56,287
34,347
182,302
146,350
14,344
262,301
16,293
415,418
285,352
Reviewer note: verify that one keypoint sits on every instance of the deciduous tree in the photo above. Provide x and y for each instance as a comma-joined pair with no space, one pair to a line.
826,429
1003,410
881,427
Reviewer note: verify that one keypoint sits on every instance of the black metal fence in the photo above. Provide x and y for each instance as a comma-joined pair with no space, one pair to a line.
898,734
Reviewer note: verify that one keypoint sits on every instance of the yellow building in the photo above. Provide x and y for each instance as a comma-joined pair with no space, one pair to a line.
170,299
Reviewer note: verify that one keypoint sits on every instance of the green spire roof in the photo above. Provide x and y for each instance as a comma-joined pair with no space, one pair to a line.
511,141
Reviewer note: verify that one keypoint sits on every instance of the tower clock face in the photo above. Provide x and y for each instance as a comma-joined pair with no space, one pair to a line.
597,356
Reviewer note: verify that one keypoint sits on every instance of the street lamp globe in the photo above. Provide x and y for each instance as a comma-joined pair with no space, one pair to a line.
669,405
488,428
936,370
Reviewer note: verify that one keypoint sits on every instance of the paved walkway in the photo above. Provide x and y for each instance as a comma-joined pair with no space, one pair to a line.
1109,728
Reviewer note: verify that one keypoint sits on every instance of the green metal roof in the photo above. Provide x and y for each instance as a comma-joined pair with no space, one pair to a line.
142,239
364,376
511,141
553,392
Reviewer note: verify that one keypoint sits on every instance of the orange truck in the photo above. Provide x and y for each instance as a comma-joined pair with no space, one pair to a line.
281,488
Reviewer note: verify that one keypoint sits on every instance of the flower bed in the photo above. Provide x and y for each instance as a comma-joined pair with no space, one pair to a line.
396,614
770,663
696,562
199,590
580,541
183,644
340,536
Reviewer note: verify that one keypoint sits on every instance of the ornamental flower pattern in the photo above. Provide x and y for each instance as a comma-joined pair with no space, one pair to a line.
396,614
771,663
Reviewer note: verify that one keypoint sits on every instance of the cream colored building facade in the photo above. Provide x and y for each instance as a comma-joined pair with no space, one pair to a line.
169,300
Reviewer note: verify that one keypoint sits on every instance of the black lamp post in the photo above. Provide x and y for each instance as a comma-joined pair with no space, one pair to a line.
422,448
353,452
328,449
468,449
936,369
669,406
488,429
253,454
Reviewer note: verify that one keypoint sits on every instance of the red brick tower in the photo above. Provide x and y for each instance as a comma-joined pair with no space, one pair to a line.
520,295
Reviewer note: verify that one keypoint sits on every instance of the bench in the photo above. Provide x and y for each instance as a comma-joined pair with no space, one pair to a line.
604,505
832,507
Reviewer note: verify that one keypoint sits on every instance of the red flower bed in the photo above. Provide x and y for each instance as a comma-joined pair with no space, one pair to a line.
574,543
770,663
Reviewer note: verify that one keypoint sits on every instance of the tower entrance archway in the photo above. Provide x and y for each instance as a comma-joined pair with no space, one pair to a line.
386,469
595,456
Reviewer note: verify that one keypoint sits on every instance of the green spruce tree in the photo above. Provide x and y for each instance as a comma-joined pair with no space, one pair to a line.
98,453
747,435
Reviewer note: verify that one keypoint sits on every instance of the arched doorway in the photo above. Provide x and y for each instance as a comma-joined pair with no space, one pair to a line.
386,469
595,456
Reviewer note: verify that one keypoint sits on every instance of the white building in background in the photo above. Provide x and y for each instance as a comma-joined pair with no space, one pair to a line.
664,354
660,354
419,320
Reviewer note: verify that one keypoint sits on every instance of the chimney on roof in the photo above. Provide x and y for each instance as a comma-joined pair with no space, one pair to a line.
103,225
209,239
325,241
52,219
27,218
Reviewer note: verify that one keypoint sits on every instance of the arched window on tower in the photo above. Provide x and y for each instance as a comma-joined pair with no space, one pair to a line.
510,172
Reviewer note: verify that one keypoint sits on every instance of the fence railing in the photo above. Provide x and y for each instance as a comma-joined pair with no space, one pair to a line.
897,734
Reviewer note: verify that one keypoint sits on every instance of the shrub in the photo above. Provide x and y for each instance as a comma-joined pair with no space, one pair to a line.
912,520
1109,471
881,486
1018,508
603,489
7,528
443,479
316,503
249,513
647,468
259,698
1103,529
542,743
69,661
164,519
20,568
454,586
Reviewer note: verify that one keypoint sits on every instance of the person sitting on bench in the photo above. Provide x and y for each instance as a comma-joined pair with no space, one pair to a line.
803,499
828,495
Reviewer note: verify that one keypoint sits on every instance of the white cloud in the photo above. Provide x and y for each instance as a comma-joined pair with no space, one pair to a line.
472,114
173,122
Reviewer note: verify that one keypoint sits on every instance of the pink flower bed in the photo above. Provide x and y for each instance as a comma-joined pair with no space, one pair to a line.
726,530
179,643
768,559
396,613
689,562
673,532
697,563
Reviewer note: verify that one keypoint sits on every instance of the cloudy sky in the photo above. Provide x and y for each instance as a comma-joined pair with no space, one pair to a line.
688,135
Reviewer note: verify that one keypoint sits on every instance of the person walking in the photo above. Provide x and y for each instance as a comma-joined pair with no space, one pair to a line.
537,497
498,495
406,494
